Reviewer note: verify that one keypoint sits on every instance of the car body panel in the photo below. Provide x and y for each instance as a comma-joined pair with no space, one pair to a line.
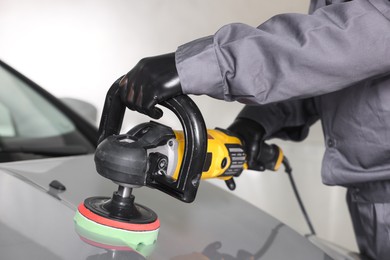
217,223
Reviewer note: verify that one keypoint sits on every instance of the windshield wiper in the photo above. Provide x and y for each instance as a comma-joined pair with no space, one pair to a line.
47,151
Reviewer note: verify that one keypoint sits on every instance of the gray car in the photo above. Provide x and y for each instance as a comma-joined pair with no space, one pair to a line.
47,169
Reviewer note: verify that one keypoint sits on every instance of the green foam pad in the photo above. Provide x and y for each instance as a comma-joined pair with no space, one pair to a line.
140,241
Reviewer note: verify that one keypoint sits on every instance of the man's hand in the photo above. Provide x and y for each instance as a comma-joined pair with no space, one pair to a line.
151,81
251,134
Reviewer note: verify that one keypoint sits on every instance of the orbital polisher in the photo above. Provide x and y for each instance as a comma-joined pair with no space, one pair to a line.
152,154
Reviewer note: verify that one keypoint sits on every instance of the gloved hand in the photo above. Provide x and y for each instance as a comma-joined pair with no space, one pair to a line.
151,81
251,135
259,155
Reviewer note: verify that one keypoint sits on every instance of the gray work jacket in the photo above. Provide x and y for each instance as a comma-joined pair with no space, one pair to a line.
332,64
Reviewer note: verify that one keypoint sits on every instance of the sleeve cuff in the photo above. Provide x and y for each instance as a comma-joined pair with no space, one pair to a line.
198,68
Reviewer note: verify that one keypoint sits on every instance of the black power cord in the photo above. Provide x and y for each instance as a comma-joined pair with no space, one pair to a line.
288,170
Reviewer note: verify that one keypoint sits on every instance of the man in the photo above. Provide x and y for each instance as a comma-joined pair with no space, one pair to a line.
333,65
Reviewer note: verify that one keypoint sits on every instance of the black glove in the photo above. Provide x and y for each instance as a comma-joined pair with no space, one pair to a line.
151,81
259,155
251,135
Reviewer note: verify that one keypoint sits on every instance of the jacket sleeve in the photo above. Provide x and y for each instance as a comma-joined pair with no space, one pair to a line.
290,56
288,120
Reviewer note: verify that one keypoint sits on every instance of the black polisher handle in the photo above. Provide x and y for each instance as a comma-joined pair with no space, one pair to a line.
195,151
113,113
195,134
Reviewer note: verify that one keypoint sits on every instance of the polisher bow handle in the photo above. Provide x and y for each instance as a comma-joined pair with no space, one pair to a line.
195,133
195,136
113,113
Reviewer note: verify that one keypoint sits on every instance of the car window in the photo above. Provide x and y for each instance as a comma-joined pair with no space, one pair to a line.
30,124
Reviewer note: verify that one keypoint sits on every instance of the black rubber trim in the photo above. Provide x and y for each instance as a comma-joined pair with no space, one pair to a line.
207,162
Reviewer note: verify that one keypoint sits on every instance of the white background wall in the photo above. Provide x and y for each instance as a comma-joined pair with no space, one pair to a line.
78,48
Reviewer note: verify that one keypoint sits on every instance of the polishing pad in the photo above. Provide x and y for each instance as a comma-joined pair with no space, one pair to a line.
108,232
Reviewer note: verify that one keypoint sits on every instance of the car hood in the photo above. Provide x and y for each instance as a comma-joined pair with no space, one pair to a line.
36,221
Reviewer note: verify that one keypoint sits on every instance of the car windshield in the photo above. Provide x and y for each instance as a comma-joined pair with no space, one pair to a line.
31,127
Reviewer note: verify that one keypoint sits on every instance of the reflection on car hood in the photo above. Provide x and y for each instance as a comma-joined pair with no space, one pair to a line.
36,221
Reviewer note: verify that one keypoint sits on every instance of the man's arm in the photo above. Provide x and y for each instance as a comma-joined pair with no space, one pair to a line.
290,56
289,120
